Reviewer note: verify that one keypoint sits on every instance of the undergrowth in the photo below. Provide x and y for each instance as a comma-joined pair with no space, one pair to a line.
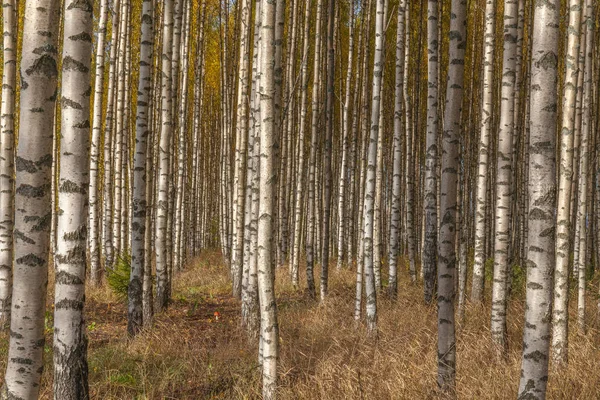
189,354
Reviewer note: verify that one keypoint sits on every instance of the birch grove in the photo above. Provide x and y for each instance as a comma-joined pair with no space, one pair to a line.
299,198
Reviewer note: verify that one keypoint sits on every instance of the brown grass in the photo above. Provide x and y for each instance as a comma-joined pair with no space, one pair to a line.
189,355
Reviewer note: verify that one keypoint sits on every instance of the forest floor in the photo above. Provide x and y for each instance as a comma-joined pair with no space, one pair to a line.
190,354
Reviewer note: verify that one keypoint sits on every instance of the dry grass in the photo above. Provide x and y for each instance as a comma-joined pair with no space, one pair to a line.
189,355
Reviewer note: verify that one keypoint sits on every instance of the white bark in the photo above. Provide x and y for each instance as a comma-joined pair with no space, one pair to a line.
166,130
396,207
94,190
301,161
504,175
346,126
7,157
70,340
239,179
430,201
369,196
446,261
483,153
135,316
542,206
32,194
268,178
584,157
560,317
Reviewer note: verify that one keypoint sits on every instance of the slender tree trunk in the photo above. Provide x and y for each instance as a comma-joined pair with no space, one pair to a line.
584,156
396,212
560,317
140,178
181,106
542,206
446,266
94,190
162,264
328,177
120,131
483,153
268,178
346,126
239,179
409,169
7,158
369,196
430,190
312,180
109,131
301,135
252,190
504,175
32,194
70,339
147,294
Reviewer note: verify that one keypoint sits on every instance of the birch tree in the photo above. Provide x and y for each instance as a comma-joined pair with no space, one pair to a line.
32,193
301,133
542,187
7,157
140,173
239,180
446,265
70,339
312,175
267,175
94,193
346,126
504,176
369,196
560,315
397,159
584,157
166,130
108,184
329,111
430,202
483,153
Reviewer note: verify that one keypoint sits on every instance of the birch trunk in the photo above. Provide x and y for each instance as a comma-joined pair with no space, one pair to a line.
166,130
109,131
446,266
7,158
32,193
369,195
70,339
239,179
396,212
268,178
135,316
483,152
504,175
120,131
252,190
312,180
584,156
346,126
542,187
430,189
560,317
328,177
181,119
94,190
301,135
409,169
